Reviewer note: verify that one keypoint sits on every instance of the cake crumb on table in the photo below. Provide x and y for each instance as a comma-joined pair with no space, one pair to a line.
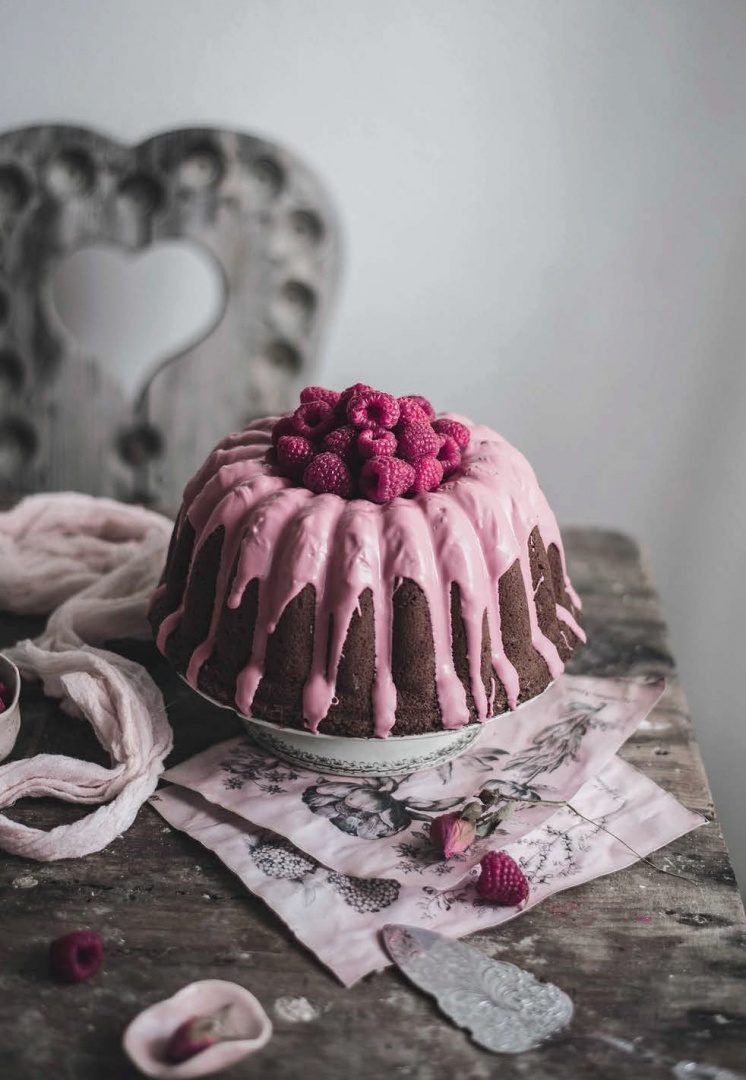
295,1010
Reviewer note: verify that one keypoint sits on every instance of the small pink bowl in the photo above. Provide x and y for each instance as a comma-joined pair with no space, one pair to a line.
147,1036
10,718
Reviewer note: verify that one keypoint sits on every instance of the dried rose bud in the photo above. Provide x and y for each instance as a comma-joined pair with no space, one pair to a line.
452,833
76,957
472,811
196,1034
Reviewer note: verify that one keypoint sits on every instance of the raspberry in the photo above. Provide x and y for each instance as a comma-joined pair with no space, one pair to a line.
192,1037
373,409
356,388
501,880
449,455
284,426
458,432
319,393
385,478
417,440
327,473
375,443
340,411
423,403
428,472
293,454
75,957
342,441
364,442
5,697
313,419
410,411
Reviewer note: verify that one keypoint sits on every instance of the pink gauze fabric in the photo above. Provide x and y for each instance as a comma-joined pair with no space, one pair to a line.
93,563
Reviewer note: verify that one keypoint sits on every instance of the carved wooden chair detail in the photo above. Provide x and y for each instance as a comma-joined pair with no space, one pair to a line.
252,206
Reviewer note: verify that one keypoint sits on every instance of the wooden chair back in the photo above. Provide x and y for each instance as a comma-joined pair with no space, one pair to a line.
66,423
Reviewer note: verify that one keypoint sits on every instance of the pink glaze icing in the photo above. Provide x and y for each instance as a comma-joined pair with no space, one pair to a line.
469,532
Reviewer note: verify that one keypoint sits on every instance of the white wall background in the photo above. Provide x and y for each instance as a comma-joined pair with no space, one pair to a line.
545,208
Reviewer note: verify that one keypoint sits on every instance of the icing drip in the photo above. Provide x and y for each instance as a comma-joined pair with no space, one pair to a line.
468,533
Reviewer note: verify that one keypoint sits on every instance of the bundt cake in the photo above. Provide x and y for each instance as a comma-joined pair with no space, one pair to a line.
363,568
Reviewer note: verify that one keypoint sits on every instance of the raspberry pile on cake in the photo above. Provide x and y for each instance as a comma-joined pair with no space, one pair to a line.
364,443
363,567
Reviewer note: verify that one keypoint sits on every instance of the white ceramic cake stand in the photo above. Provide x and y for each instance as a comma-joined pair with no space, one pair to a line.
360,757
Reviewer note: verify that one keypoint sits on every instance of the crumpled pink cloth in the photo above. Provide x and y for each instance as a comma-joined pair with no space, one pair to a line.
93,563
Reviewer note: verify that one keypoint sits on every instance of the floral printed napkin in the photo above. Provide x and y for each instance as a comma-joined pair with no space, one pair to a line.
373,828
359,848
339,916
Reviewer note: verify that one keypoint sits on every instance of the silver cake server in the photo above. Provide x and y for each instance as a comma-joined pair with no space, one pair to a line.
505,1009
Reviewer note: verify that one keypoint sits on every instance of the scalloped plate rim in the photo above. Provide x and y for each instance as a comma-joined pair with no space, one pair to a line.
342,755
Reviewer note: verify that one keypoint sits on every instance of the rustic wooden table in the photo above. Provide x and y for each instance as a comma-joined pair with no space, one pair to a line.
170,913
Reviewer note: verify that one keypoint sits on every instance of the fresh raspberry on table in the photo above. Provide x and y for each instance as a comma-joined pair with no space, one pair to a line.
319,393
313,419
417,440
458,432
501,880
294,452
449,455
428,473
284,426
385,478
76,956
373,409
342,441
375,443
328,474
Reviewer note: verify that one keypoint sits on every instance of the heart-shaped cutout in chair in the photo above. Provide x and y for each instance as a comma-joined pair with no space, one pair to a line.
261,218
134,311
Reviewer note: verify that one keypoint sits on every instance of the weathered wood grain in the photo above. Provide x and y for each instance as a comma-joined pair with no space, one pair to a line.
643,954
253,208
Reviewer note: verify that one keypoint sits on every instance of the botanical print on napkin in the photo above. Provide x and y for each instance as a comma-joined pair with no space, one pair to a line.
339,916
379,827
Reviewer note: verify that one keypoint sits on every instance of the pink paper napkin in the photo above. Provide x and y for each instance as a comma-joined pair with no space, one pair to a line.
338,858
372,827
339,916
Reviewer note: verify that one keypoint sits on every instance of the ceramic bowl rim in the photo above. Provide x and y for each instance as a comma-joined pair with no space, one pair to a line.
9,670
